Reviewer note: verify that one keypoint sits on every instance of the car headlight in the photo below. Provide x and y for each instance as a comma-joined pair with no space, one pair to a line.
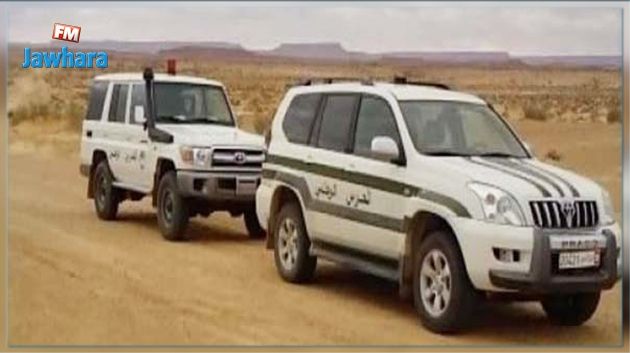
498,206
608,217
196,156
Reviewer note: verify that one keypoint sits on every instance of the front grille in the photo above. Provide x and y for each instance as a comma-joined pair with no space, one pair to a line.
237,158
556,214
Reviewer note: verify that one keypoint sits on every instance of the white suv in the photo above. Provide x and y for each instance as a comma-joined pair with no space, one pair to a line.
174,138
431,188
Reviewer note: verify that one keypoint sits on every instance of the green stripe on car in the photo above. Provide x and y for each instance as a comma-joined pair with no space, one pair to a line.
314,204
374,182
531,172
504,169
574,191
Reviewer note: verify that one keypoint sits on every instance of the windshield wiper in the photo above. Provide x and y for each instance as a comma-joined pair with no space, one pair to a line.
497,154
170,118
180,119
445,153
209,121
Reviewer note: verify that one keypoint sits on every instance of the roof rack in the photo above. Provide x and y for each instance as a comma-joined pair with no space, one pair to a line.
402,80
330,80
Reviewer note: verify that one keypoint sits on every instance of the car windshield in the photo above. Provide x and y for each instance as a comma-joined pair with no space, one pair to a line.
449,128
182,103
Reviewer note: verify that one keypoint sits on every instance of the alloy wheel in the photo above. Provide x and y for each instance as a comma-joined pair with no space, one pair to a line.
435,283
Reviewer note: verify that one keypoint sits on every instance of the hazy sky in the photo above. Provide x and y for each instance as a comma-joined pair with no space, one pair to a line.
372,27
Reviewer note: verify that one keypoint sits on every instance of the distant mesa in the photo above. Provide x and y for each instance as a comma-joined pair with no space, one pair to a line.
584,60
218,52
328,51
454,56
324,52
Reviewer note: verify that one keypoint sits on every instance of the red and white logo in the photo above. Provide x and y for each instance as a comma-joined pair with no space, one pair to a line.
67,33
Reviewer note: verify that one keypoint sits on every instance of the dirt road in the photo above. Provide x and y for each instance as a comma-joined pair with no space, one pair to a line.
77,280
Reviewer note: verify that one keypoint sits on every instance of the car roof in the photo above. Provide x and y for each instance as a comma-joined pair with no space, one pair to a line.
418,92
403,92
138,76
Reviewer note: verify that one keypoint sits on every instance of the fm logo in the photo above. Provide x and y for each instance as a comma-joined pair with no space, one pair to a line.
66,33
64,58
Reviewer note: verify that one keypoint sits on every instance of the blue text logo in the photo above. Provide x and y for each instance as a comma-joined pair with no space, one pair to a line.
64,59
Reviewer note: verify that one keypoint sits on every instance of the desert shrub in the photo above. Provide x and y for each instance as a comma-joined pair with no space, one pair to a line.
535,112
553,155
614,114
595,83
29,112
70,114
74,114
260,125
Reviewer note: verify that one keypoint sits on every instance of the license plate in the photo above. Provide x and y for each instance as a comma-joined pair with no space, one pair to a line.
578,259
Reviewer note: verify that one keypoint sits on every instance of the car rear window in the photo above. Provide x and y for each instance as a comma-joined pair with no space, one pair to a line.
118,105
97,100
300,116
137,99
334,132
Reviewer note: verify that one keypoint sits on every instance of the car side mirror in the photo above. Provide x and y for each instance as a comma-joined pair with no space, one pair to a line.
384,148
138,114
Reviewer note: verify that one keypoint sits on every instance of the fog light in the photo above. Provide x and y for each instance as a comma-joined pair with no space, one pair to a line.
506,255
198,184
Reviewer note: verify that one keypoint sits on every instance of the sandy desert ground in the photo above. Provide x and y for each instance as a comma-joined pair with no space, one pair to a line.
77,280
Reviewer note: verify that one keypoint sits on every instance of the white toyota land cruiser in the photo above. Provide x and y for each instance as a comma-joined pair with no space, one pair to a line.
174,138
431,188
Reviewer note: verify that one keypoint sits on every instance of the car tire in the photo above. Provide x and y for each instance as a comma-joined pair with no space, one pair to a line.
106,196
571,309
172,208
254,229
291,246
439,275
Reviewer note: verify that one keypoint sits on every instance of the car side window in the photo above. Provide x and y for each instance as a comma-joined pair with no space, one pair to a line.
97,100
375,118
137,99
336,122
300,116
118,104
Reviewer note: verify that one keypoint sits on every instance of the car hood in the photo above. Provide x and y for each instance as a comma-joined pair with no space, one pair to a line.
212,135
526,179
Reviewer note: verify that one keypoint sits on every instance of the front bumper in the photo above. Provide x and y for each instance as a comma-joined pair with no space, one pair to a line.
536,269
218,186
544,276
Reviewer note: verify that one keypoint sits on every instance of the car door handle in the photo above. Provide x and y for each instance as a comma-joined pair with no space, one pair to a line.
144,141
88,133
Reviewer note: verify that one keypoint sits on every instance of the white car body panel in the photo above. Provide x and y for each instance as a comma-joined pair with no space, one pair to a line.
447,177
133,157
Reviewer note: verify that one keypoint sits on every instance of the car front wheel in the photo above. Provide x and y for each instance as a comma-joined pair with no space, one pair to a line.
106,196
570,309
443,295
254,229
172,209
292,244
